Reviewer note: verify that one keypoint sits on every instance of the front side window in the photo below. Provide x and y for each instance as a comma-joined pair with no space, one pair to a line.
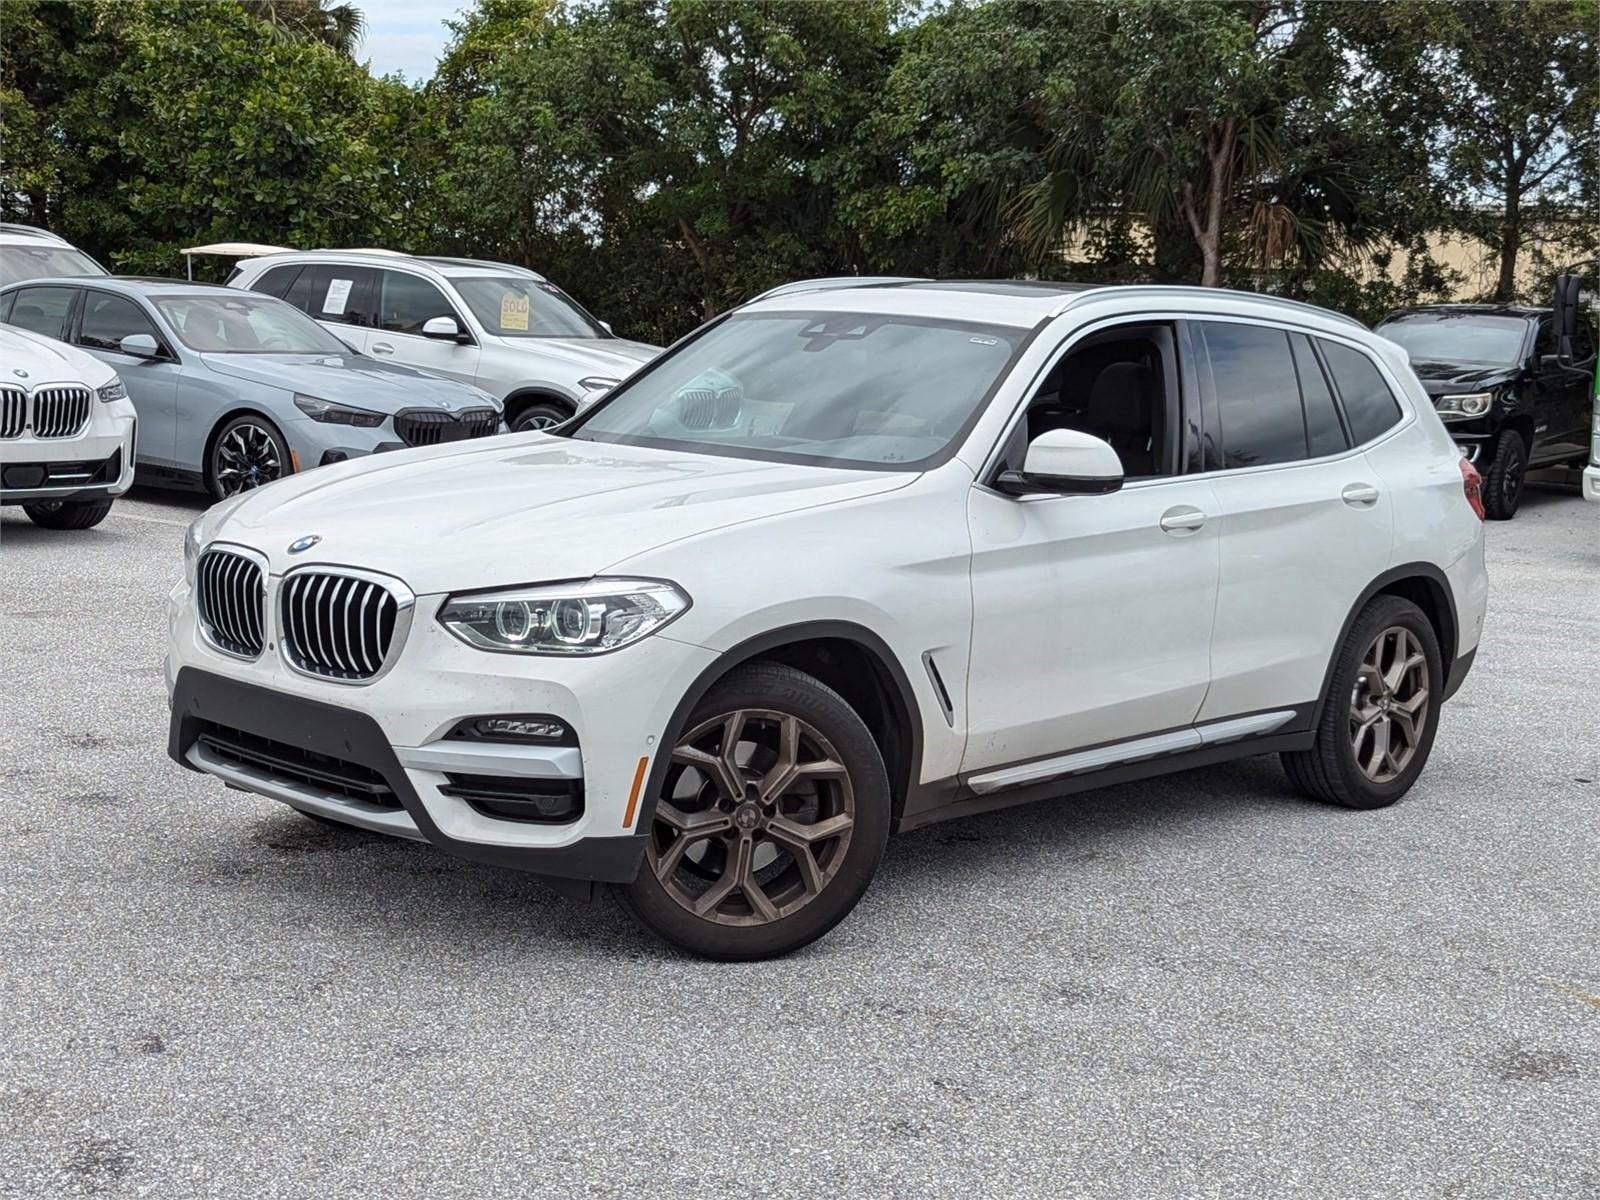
516,307
1473,338
42,310
107,319
825,388
245,324
44,262
408,302
1369,405
1257,395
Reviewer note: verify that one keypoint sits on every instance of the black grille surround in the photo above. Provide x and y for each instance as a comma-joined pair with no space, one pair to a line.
434,426
229,589
342,624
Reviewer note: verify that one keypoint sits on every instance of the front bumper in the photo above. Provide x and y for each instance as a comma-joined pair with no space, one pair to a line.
393,733
95,465
1591,482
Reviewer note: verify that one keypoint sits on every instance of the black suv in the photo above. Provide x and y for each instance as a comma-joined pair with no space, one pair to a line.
1512,398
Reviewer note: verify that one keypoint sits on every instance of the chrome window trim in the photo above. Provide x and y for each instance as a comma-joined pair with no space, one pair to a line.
405,610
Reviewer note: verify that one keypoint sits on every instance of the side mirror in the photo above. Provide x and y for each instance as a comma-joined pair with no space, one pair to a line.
1063,462
1564,317
606,325
444,329
140,345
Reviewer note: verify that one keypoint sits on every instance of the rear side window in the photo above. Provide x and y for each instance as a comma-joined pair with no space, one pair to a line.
277,281
1369,405
107,319
334,293
1257,395
408,302
1324,433
42,310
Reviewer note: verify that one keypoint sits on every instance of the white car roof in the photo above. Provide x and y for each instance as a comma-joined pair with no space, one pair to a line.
10,231
443,266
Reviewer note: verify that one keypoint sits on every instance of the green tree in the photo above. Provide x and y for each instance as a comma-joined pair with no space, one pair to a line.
339,26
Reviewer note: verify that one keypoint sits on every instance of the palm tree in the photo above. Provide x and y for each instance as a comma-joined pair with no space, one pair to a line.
340,26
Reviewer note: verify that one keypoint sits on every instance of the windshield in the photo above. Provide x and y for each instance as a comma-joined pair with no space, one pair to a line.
515,307
1475,338
834,389
43,262
246,324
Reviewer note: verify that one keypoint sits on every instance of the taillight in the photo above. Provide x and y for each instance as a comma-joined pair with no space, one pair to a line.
1472,485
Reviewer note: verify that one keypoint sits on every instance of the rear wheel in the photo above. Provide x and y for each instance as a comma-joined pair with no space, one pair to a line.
68,514
543,415
1380,714
248,453
1502,482
771,821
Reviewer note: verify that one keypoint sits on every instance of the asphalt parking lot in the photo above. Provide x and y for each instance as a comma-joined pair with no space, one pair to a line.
1198,986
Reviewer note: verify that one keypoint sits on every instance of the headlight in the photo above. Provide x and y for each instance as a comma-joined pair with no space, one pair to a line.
191,549
597,383
564,618
112,391
1464,406
330,413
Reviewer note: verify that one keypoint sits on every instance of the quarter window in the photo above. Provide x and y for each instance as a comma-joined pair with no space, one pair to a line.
277,281
1324,433
42,310
107,319
1369,405
1257,394
408,302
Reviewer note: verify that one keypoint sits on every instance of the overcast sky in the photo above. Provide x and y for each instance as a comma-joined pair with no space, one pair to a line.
406,35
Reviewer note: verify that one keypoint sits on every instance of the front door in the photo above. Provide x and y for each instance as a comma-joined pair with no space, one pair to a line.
104,320
406,303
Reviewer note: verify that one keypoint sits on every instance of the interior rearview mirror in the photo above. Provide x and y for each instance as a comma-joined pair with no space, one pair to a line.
443,328
1064,462
140,345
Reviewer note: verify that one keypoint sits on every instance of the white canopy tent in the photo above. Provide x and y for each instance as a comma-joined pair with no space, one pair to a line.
231,250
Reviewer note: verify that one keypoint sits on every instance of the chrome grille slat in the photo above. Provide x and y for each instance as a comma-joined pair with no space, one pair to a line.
60,412
13,411
338,624
228,595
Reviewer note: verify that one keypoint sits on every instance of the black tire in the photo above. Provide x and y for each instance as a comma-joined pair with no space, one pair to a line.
545,414
248,439
68,514
802,904
1502,482
1330,771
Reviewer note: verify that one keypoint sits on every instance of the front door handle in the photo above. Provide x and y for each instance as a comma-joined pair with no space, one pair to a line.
1182,520
1359,495
382,348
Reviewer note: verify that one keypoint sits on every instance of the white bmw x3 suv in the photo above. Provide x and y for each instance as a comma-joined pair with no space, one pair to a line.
67,432
846,561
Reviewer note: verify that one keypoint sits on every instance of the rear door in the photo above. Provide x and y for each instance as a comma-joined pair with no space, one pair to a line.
406,302
1561,395
340,297
103,321
1306,521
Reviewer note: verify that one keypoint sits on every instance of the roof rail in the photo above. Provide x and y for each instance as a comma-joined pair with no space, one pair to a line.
833,283
1192,291
32,231
450,261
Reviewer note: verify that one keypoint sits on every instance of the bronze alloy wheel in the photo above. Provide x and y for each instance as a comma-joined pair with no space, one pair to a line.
1389,704
755,819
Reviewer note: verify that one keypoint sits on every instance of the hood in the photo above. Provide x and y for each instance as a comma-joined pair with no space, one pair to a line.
615,358
1444,379
521,508
30,360
351,379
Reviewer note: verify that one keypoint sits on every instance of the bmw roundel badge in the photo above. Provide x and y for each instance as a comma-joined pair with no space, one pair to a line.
305,543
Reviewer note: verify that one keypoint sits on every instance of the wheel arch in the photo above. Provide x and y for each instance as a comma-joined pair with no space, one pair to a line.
851,659
1426,586
521,397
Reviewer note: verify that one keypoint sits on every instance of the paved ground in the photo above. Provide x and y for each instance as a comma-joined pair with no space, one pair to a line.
1199,986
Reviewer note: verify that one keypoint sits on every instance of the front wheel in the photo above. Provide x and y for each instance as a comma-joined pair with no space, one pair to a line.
771,821
68,514
248,453
544,415
1502,482
1381,712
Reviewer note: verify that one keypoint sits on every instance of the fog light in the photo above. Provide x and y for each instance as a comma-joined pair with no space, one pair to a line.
513,728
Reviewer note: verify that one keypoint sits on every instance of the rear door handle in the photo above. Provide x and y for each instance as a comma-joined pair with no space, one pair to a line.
382,348
1182,520
1359,495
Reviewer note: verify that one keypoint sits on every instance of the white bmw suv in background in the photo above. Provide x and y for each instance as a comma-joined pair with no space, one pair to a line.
506,329
844,562
67,432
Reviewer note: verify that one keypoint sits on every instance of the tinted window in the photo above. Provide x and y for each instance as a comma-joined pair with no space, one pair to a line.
276,281
42,310
1583,340
333,293
6,302
512,306
408,302
1323,432
1369,405
1451,336
107,319
1258,396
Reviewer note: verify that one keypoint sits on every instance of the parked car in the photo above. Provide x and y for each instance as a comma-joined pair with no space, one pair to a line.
235,390
843,563
502,327
27,252
67,432
1591,473
1510,400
